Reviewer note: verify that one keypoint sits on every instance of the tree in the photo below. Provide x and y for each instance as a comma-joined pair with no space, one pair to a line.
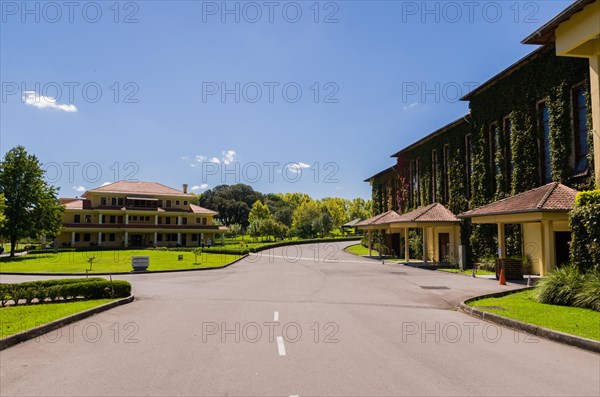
337,209
305,218
235,230
197,252
255,229
232,202
269,227
359,209
2,208
32,206
259,212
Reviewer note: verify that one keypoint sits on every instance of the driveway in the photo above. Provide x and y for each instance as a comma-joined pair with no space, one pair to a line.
302,320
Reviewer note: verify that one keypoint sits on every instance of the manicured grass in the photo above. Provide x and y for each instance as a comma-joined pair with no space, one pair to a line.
110,261
479,272
523,307
16,319
359,250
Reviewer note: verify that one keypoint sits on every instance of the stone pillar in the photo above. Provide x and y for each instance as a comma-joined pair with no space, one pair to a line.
127,219
424,245
501,241
126,239
99,219
155,239
548,250
156,219
595,95
406,246
179,238
72,239
179,220
99,238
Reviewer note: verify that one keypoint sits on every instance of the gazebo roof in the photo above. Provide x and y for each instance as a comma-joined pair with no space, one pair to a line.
553,197
378,220
435,212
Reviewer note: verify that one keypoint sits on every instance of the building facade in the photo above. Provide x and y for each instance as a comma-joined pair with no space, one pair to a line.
136,214
529,125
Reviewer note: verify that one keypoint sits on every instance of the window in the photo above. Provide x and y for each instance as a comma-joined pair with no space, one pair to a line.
112,219
134,218
113,201
88,219
544,128
184,221
120,200
159,237
111,237
194,237
87,237
445,169
204,221
77,237
160,203
198,220
185,203
77,218
102,200
434,163
168,203
580,130
160,220
469,163
508,151
167,220
177,202
120,219
494,144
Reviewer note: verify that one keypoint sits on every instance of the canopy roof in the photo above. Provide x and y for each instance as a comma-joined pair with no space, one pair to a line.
435,212
352,223
553,197
380,220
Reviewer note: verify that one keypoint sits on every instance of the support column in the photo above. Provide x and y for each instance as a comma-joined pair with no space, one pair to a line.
156,219
99,238
548,249
155,239
179,220
370,241
425,245
501,242
127,219
406,246
126,242
595,95
99,219
72,239
222,239
179,238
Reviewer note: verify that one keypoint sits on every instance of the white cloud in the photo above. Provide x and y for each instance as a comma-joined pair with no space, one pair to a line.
200,187
229,156
106,183
79,189
412,105
36,100
214,160
297,168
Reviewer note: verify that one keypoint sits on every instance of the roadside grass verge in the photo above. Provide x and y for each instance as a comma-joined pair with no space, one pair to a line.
522,306
110,261
359,250
15,319
478,272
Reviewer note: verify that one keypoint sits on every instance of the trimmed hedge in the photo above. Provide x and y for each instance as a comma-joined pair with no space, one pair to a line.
585,225
63,289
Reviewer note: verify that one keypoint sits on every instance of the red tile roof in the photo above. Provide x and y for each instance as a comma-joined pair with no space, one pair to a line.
76,204
381,219
201,210
553,197
139,187
435,212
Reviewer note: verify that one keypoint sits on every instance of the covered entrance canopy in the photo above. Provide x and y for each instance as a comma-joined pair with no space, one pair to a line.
441,231
544,215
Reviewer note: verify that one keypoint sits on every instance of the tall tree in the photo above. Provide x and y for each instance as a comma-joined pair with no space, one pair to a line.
32,206
259,212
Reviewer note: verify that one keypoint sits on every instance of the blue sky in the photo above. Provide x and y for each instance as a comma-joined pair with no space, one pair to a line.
291,96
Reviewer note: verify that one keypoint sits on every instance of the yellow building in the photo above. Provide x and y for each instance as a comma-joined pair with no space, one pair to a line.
576,33
136,214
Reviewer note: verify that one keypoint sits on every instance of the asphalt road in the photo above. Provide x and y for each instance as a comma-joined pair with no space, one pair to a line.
285,323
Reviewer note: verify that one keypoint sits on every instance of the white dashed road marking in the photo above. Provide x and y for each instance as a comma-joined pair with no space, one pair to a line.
276,316
280,346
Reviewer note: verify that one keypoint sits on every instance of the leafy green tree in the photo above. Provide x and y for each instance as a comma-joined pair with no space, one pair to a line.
32,206
337,208
197,252
2,208
235,230
306,218
255,229
359,209
259,212
232,202
270,228
323,224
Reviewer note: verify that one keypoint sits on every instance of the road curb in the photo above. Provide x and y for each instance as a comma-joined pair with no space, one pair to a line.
15,339
556,336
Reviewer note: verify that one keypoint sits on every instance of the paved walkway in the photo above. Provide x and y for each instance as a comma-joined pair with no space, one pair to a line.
304,320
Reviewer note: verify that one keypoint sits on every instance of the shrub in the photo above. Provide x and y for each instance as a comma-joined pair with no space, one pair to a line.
585,225
560,287
589,294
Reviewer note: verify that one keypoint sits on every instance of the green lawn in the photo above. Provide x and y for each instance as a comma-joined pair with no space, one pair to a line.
20,318
479,272
110,261
522,306
359,250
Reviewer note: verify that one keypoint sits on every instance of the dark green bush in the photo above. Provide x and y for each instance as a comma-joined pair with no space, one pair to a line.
64,289
560,287
589,294
585,226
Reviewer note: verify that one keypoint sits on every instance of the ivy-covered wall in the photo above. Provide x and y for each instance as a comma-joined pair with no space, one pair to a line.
502,164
